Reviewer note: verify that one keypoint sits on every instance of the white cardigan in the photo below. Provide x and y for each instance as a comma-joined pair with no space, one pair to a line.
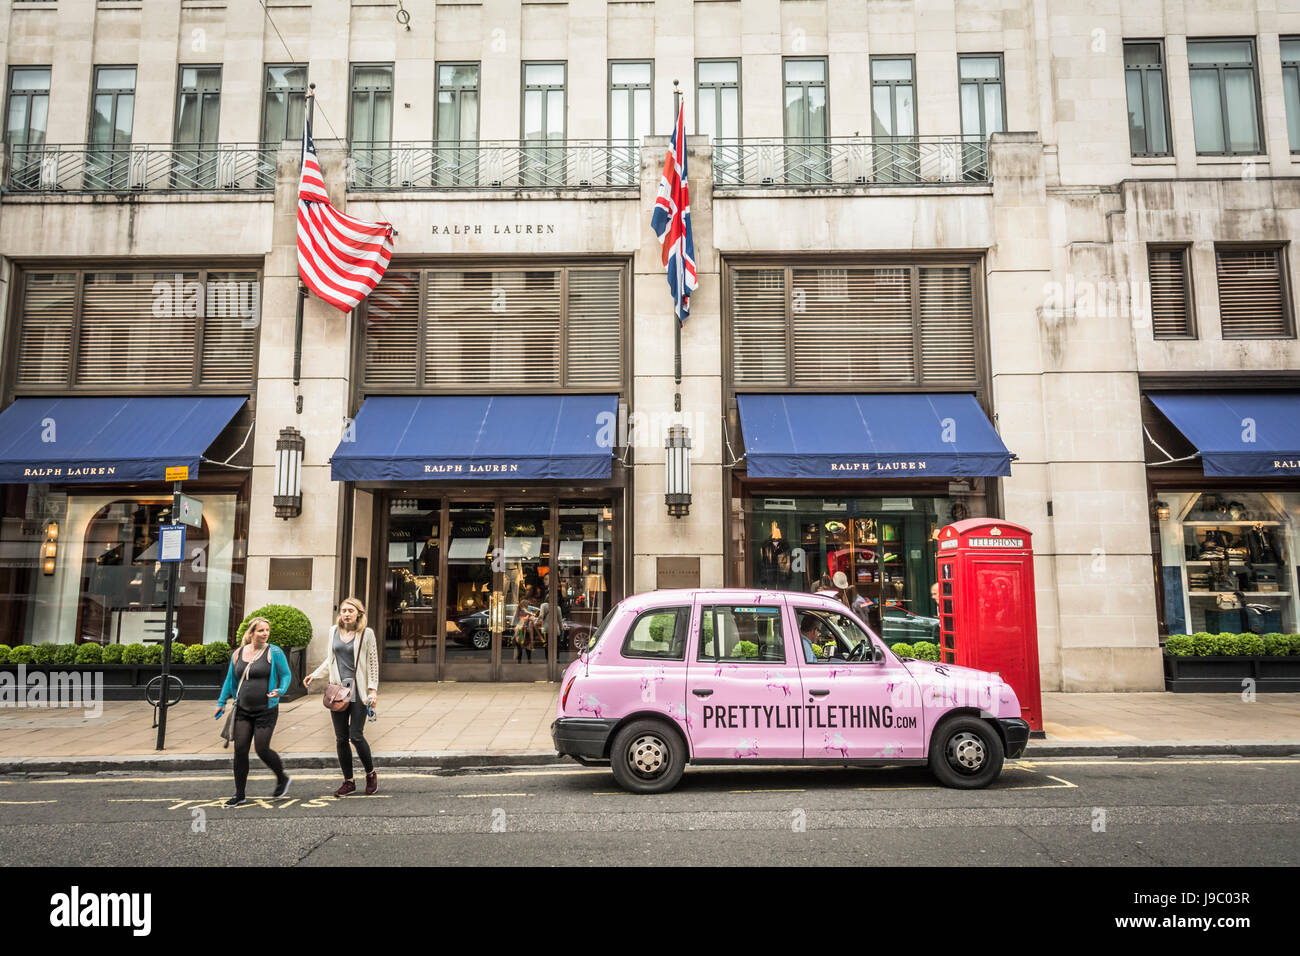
367,662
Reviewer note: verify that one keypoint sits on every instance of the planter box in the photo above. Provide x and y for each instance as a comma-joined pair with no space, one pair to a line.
1200,675
298,668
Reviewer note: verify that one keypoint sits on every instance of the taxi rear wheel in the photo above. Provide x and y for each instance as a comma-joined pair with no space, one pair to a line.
966,753
647,756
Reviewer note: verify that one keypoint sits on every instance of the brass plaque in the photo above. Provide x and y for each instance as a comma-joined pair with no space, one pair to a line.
290,574
677,572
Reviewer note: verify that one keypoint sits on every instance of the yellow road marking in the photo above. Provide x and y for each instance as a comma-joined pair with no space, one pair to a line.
24,803
472,796
1157,762
389,775
771,790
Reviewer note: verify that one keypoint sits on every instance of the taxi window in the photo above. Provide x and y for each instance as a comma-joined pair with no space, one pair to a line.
741,634
658,635
826,635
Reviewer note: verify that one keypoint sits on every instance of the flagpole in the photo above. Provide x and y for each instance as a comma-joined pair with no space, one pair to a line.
302,289
677,322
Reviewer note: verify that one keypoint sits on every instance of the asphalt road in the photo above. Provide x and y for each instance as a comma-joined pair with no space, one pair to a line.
1201,811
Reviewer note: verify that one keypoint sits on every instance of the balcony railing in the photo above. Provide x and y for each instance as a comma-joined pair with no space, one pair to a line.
140,167
848,161
496,164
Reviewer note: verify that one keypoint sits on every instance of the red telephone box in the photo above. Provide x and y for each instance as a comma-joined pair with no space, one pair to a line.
986,606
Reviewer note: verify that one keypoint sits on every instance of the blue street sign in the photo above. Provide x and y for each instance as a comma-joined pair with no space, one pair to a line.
171,542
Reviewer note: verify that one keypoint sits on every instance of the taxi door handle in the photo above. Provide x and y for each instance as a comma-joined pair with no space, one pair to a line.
702,692
819,693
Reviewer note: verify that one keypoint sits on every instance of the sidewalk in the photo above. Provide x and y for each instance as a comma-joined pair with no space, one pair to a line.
466,724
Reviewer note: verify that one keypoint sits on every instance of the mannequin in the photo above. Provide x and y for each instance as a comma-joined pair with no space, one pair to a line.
774,560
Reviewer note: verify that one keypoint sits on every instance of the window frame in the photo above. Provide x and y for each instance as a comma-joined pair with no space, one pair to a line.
682,614
13,330
892,86
1284,278
779,612
629,89
1220,69
1142,71
804,85
181,91
10,92
96,92
267,91
352,91
738,86
456,91
1189,293
543,88
1294,66
979,83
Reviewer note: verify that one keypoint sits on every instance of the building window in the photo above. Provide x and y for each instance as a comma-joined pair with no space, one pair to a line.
717,114
630,85
284,103
370,123
882,326
502,328
807,123
1291,88
28,112
198,117
112,114
894,150
1253,297
180,330
542,124
456,159
1148,116
1171,295
1225,97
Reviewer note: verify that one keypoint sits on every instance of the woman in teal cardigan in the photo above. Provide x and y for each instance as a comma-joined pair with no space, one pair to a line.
258,675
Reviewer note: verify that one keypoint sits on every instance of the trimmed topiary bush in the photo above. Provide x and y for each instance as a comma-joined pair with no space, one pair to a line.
1295,643
1277,645
153,653
65,655
1250,645
1227,645
89,654
195,654
133,654
113,653
21,654
4,653
44,653
904,650
1179,645
289,626
218,653
1204,644
745,649
926,650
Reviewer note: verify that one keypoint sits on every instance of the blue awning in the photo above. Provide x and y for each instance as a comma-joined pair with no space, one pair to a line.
1252,434
108,439
870,436
475,437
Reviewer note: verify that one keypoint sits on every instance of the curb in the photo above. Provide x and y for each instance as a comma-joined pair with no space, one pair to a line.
452,760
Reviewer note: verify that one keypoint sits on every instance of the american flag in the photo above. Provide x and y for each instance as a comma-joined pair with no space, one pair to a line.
671,221
341,259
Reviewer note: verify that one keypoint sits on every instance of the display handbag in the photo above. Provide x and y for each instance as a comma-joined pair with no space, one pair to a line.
1229,602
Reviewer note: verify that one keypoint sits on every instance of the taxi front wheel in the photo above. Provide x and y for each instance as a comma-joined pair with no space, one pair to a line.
966,753
647,756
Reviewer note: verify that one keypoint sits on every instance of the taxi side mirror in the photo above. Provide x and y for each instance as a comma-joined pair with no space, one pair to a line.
877,653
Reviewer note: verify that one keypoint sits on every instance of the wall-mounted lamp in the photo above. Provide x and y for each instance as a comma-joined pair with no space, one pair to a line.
1162,511
288,473
50,549
677,472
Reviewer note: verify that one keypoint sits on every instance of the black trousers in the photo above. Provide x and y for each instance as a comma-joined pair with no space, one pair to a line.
349,732
255,728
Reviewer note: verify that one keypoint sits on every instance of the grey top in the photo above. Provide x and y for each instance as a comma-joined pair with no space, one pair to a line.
345,656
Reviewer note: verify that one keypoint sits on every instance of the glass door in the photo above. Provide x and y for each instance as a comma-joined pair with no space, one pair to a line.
584,574
525,586
409,587
472,633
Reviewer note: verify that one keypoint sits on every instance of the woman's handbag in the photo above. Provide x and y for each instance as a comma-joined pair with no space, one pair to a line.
337,696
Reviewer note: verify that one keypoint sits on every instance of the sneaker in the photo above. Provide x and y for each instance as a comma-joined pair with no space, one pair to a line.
282,788
348,787
235,802
372,782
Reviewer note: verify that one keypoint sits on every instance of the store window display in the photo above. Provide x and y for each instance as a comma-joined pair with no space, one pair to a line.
1227,561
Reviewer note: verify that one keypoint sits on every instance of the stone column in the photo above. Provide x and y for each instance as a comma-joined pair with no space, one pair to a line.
701,532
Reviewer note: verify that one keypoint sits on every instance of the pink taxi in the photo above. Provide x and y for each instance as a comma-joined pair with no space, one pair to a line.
769,677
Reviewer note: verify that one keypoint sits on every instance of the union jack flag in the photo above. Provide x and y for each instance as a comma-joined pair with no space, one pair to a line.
671,221
340,258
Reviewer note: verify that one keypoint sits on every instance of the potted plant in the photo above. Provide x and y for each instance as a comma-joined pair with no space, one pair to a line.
291,632
1204,662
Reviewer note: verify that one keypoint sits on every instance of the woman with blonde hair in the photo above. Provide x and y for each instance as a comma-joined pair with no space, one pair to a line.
258,675
352,660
